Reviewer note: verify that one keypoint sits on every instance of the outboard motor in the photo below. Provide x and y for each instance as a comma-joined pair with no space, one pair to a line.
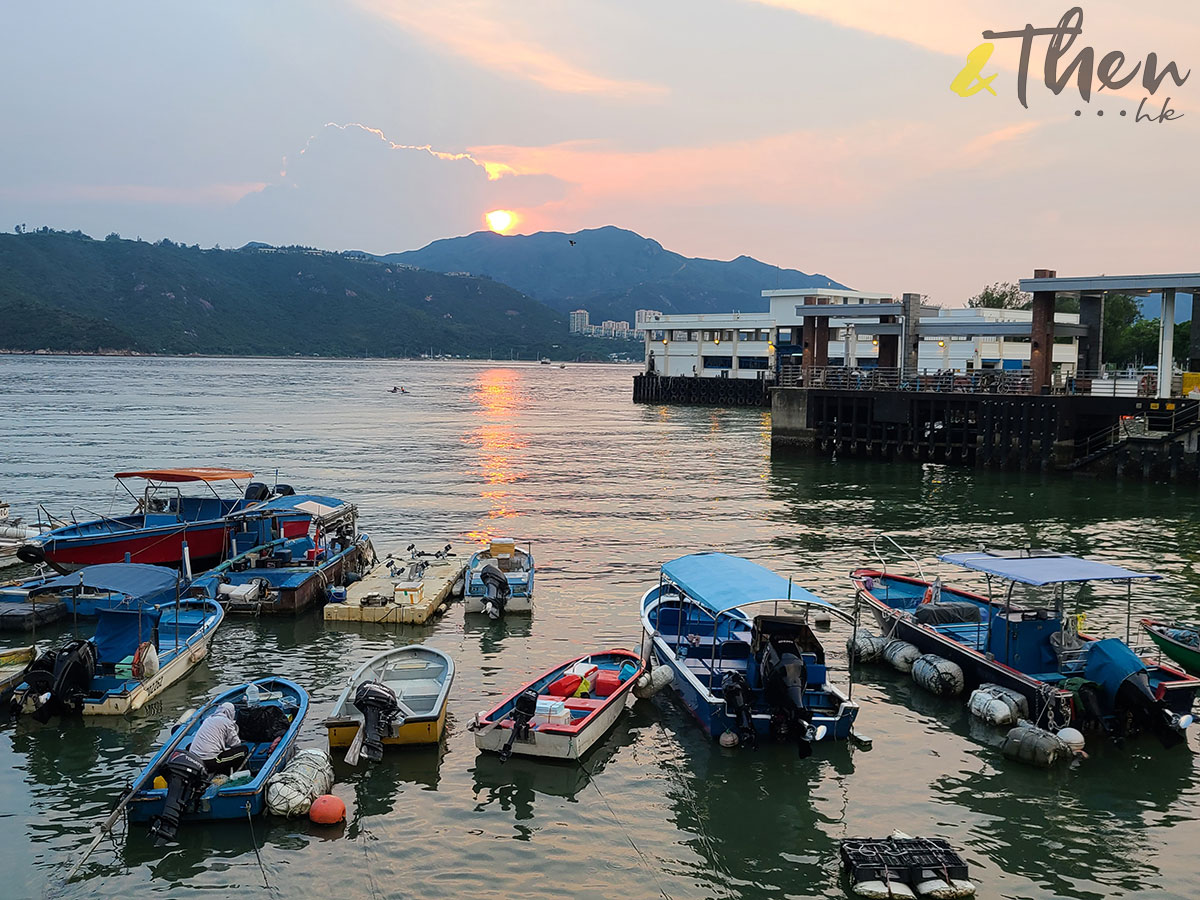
736,692
1135,703
186,779
523,712
495,591
784,676
377,703
284,490
256,492
59,679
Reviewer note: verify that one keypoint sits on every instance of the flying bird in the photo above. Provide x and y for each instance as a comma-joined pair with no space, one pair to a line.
572,242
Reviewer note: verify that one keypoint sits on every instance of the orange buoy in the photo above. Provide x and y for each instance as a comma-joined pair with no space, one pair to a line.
327,810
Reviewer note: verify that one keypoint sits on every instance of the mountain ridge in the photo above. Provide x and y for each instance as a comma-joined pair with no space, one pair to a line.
609,271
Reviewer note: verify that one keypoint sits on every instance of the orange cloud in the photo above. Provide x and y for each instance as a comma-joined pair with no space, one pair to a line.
488,35
810,170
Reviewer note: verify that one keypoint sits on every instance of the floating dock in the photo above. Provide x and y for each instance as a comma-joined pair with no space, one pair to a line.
407,593
28,616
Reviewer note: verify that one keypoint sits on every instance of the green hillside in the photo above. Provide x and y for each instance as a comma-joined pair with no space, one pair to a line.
67,292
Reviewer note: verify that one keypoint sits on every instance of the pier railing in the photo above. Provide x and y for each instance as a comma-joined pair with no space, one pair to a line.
989,381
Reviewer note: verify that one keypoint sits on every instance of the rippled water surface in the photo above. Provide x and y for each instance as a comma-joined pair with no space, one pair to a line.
607,491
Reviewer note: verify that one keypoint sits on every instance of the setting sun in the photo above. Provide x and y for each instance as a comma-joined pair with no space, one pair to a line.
501,220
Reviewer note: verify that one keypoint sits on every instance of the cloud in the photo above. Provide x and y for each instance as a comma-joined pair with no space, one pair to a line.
352,186
487,34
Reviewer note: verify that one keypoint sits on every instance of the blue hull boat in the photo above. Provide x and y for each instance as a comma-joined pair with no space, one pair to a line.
269,727
279,566
1028,643
739,673
92,588
136,653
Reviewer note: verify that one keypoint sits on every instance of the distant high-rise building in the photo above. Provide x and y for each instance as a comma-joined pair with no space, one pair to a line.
614,329
644,317
579,321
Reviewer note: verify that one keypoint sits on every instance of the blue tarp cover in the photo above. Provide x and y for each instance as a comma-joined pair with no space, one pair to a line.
293,503
119,631
720,582
1043,569
133,579
1110,662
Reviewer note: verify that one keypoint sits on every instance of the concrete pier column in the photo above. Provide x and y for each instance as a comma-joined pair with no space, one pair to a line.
1194,341
1166,343
821,343
889,347
910,352
1091,317
1041,336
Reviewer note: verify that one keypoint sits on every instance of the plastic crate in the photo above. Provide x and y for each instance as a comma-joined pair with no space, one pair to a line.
908,860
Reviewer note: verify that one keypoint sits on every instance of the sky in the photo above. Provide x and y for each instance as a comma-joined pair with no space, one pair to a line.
821,135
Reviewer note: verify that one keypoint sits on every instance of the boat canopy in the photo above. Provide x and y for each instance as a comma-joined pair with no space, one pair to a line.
132,579
180,475
720,582
120,631
1041,567
318,507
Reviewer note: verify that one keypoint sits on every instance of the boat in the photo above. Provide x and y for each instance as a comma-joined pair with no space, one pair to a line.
545,360
1033,647
1177,641
270,712
500,579
281,568
12,668
83,592
138,650
539,720
157,531
12,535
742,673
396,697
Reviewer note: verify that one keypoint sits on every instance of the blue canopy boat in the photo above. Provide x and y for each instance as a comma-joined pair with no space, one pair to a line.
1032,647
268,725
740,673
137,652
279,568
96,587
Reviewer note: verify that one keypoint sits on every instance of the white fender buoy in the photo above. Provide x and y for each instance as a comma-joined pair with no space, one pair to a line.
1072,737
650,683
728,739
292,791
998,705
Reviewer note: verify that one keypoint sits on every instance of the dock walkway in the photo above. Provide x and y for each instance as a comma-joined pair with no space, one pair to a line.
409,595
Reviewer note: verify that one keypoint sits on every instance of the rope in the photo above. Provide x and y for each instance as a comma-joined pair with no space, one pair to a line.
254,844
625,831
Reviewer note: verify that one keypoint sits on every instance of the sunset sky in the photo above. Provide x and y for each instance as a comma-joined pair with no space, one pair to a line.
815,134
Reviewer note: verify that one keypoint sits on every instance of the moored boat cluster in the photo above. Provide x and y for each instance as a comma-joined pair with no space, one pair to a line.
737,642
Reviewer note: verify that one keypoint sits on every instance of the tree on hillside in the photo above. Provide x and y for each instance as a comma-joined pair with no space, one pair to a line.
1001,295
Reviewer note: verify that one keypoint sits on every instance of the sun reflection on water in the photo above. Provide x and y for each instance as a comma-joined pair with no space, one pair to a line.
497,394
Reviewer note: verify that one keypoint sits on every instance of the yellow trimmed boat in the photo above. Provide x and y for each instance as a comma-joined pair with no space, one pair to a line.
12,665
397,697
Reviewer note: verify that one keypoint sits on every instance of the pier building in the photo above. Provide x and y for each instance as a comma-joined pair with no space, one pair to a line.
854,373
